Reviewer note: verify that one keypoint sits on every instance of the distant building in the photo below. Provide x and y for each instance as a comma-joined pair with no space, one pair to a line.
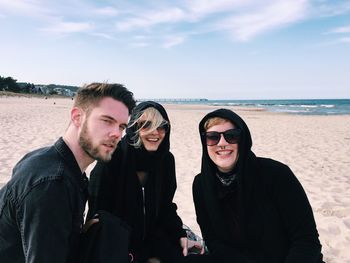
42,89
64,92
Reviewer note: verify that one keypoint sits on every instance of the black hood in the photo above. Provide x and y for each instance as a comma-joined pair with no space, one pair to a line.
130,131
245,143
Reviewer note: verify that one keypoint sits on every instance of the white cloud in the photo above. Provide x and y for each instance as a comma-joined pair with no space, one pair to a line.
140,37
242,19
246,26
331,8
173,41
139,44
69,27
344,29
152,18
103,35
206,7
23,7
345,40
107,11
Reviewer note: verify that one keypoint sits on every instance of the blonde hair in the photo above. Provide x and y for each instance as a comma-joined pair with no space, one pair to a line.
214,121
149,114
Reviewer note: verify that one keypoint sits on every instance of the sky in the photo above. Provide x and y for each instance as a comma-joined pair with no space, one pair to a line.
213,49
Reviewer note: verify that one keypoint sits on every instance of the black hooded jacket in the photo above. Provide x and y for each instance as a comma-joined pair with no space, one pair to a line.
264,216
115,187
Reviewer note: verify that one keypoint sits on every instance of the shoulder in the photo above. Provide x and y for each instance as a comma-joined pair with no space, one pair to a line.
167,161
168,156
37,166
268,163
31,159
273,169
40,167
196,184
198,191
277,175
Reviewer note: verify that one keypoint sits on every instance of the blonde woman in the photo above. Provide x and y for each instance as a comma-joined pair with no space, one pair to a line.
139,184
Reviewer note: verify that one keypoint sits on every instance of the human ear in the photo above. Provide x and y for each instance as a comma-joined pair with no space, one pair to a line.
76,116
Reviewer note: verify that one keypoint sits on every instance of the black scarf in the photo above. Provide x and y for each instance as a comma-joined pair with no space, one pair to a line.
226,178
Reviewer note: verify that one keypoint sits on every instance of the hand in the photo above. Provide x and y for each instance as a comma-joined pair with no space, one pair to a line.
183,244
195,247
89,223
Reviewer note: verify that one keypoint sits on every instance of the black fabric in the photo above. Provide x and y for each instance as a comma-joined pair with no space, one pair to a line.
115,187
106,241
263,216
226,178
42,206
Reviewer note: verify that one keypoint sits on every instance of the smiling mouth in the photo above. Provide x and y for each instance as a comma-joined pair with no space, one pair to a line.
224,153
152,139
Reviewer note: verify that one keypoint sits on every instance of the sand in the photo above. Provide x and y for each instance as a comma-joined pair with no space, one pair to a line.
317,148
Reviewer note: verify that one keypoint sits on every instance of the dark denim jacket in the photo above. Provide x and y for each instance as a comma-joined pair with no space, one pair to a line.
42,206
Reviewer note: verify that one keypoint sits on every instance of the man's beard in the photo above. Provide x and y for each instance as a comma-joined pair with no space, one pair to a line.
86,144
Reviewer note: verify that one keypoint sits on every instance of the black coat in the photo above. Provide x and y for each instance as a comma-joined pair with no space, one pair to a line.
263,216
115,187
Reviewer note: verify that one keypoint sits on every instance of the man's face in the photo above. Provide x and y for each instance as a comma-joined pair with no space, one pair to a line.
102,129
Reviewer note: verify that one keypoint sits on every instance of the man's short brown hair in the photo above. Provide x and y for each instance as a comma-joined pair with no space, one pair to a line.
91,94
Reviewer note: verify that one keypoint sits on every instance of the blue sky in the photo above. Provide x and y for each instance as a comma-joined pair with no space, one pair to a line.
215,49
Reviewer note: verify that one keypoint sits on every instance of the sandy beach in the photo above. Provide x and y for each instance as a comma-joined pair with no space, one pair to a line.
317,148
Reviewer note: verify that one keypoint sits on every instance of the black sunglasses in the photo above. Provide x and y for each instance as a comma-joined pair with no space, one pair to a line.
232,136
145,125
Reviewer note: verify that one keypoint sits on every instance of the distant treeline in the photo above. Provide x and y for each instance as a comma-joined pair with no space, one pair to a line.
10,84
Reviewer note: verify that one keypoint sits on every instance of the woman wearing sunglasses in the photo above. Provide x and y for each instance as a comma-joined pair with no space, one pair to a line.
249,209
138,185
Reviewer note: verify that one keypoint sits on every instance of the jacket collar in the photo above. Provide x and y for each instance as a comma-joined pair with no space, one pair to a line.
67,155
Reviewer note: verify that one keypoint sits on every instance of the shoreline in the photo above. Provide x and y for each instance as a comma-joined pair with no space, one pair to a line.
238,105
8,94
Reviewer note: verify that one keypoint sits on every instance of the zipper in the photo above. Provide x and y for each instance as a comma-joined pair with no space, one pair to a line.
144,213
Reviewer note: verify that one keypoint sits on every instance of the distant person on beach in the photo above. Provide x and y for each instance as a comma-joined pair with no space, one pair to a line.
42,206
139,184
249,209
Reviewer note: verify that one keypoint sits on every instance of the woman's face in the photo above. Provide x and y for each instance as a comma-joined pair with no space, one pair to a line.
152,139
223,154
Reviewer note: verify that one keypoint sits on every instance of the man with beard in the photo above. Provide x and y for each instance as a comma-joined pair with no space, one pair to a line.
42,206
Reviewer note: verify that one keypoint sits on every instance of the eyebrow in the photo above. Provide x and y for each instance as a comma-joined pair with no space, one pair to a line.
108,117
124,125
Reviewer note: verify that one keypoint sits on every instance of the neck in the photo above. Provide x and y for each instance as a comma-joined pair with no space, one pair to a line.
71,138
226,178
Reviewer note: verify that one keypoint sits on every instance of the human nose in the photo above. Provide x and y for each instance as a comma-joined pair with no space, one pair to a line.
222,140
155,131
116,132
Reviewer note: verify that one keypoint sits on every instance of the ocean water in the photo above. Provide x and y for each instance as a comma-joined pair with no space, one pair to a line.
304,107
